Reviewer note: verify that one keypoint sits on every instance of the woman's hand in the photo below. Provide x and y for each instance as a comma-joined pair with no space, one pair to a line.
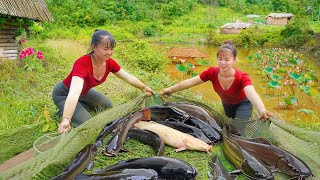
148,91
166,92
265,115
64,125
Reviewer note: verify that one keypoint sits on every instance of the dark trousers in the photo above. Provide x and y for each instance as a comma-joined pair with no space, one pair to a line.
241,111
92,100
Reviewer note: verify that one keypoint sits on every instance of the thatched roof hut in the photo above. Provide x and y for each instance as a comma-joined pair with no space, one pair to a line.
186,54
234,27
278,18
18,9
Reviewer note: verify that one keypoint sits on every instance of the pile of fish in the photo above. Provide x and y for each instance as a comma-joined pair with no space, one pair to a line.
180,125
184,126
259,159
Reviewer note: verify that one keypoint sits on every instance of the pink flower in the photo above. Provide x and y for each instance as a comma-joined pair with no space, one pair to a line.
278,87
22,54
23,41
29,51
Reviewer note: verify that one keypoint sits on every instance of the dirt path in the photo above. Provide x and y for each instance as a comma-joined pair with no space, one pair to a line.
18,159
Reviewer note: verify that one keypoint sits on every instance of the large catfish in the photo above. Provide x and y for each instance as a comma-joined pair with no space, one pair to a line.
149,138
185,128
210,132
181,141
240,158
217,171
197,111
166,167
79,163
116,144
132,174
159,113
274,156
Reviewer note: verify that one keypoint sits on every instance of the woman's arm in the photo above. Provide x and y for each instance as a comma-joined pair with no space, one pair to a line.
256,101
183,85
122,74
71,103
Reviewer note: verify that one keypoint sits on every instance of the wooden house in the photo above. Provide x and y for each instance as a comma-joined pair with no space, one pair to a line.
11,11
188,55
278,18
234,27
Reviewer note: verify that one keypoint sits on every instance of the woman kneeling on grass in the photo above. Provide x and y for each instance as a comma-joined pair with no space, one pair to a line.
232,85
76,91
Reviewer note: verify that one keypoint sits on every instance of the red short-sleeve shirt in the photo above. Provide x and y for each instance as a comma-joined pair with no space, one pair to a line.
83,68
235,94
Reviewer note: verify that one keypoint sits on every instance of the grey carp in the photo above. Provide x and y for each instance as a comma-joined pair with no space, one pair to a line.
149,138
185,128
129,174
79,163
120,136
166,167
198,112
181,141
217,171
108,129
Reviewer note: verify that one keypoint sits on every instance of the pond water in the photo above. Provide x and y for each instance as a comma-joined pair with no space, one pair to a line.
270,97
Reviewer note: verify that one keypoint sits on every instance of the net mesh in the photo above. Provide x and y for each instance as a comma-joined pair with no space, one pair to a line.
302,143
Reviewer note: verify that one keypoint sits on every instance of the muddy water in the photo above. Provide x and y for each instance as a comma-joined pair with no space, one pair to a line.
271,98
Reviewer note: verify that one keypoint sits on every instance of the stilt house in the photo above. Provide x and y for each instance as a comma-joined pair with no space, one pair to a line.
10,13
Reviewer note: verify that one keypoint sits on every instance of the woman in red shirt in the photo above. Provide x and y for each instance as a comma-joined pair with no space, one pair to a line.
76,92
232,85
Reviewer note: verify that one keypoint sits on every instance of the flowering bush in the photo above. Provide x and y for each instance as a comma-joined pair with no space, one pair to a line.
32,60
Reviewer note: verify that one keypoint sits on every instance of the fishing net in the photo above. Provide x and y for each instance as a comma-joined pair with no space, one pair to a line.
302,143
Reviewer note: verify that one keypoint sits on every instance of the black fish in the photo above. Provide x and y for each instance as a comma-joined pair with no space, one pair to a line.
211,133
159,113
149,138
185,128
274,156
217,171
240,158
79,163
166,167
120,136
129,174
108,129
198,112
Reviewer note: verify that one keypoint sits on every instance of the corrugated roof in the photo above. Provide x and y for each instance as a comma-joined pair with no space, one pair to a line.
186,52
280,15
30,9
236,25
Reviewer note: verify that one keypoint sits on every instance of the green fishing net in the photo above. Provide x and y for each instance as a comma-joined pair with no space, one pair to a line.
302,143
